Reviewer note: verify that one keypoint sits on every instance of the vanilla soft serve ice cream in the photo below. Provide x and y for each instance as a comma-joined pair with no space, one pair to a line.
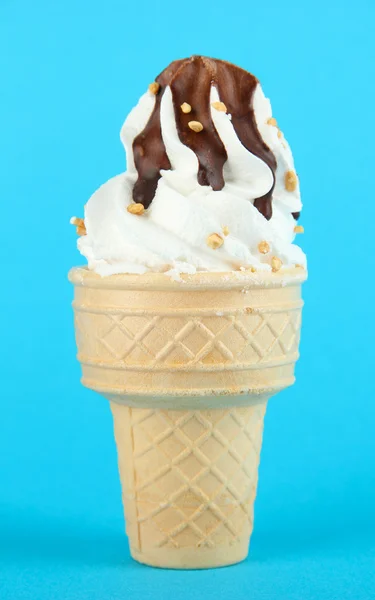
210,182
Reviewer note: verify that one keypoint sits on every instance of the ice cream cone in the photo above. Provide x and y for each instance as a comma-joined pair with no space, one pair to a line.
188,368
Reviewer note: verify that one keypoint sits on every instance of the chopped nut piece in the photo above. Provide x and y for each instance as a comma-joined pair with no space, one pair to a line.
226,230
154,87
299,266
80,225
186,108
220,106
263,247
249,310
136,209
290,180
272,121
215,241
195,126
279,134
81,230
253,269
299,229
276,264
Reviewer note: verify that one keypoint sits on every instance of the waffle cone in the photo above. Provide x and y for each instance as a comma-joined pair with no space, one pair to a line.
188,368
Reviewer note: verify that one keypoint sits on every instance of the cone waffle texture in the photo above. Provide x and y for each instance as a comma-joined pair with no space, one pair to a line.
213,335
188,367
189,482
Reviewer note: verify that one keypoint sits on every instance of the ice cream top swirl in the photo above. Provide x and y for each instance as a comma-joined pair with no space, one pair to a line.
190,82
210,184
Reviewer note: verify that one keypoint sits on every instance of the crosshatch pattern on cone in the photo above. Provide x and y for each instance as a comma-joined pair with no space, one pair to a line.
192,475
241,339
188,369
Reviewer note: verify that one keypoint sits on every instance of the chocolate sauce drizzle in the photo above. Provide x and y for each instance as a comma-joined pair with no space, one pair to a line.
190,81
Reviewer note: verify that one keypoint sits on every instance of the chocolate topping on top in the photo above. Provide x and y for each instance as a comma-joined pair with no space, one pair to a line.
190,81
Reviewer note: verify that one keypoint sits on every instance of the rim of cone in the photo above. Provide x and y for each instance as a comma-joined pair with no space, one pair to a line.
82,276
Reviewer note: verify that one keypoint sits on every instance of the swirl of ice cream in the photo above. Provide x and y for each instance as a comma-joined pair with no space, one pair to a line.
210,182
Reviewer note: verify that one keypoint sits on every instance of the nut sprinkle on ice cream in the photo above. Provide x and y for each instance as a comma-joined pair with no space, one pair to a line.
203,155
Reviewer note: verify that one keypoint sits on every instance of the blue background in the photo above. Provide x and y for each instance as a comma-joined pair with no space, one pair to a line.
70,71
